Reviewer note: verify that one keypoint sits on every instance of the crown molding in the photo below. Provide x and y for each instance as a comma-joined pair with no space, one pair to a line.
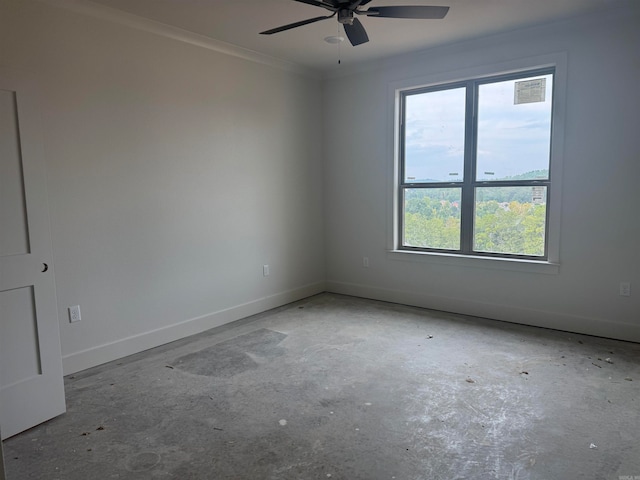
86,7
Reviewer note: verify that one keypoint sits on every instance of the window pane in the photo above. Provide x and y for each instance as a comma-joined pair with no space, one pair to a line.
432,218
514,129
510,220
434,136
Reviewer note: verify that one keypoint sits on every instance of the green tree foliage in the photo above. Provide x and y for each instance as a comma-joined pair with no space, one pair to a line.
432,233
516,228
432,220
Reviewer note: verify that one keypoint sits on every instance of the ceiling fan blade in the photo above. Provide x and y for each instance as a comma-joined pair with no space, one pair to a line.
413,11
294,25
356,33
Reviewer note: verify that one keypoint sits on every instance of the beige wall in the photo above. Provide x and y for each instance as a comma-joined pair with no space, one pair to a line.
174,173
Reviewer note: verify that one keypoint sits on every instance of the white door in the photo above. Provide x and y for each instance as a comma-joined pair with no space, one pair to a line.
31,383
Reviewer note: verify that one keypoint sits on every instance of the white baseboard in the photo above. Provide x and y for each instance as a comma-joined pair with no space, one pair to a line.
538,318
108,352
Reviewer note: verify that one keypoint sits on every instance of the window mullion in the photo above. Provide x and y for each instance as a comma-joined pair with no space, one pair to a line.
466,227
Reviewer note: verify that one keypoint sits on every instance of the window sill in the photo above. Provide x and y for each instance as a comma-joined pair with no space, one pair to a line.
515,265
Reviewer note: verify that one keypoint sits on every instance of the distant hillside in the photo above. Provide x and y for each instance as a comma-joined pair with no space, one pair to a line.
532,175
485,194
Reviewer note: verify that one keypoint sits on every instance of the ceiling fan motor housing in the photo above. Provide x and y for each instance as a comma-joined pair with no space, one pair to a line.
345,16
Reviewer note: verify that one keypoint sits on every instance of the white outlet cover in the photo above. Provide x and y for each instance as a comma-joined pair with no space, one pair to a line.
74,314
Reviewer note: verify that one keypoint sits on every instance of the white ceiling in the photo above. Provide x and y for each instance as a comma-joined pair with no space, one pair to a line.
239,22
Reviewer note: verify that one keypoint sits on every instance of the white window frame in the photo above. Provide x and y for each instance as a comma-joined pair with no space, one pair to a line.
551,265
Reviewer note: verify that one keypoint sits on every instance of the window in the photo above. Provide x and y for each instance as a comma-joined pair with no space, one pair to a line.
474,167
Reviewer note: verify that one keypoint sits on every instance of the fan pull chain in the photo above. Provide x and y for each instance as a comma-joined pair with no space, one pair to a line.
339,43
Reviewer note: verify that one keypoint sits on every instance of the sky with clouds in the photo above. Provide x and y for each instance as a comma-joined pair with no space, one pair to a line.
512,138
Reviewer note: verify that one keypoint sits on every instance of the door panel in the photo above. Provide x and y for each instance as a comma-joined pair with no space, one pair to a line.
14,238
31,383
18,339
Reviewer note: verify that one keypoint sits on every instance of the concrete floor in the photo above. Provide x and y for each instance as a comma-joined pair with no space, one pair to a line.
344,388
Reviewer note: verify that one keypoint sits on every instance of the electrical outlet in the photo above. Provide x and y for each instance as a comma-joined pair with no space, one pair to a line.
365,262
625,289
74,314
265,270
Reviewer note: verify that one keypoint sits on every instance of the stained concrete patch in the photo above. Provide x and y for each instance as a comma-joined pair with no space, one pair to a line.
234,356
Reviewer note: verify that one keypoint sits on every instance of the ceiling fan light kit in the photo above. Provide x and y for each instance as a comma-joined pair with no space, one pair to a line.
333,39
346,9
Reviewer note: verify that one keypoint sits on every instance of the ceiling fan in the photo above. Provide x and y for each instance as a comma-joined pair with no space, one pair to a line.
345,10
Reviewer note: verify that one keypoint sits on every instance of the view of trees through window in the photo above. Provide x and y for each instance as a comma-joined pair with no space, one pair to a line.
506,220
501,185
